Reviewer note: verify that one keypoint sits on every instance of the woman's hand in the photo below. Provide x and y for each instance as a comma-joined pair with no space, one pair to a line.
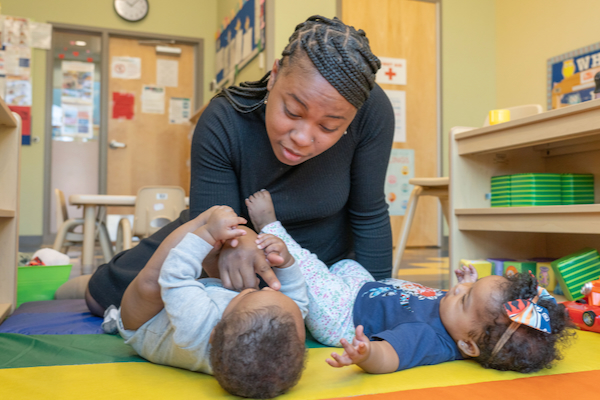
239,265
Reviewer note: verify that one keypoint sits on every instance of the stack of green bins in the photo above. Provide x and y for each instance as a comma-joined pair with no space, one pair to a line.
577,188
575,270
535,189
501,191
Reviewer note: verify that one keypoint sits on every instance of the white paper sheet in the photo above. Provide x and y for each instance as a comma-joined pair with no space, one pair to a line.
247,45
78,82
18,91
41,35
11,60
126,68
179,110
398,100
167,73
3,86
77,120
392,71
153,99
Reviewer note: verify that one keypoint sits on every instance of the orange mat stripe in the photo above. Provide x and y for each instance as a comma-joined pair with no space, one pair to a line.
576,385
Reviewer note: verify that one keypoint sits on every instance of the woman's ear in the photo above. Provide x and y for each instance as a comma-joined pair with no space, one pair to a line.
273,76
469,348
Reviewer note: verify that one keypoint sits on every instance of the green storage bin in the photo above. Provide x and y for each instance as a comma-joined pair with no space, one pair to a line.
535,189
575,270
500,191
38,283
577,189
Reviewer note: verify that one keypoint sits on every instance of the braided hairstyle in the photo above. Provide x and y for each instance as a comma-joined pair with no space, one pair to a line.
339,52
528,349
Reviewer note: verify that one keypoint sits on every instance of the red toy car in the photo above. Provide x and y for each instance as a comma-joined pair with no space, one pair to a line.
585,312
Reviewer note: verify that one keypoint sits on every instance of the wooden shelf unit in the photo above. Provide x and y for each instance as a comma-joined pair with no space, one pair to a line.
10,148
566,140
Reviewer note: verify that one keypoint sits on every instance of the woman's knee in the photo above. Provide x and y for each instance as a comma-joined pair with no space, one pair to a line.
93,305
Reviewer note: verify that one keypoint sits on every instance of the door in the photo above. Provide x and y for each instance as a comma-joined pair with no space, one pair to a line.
148,133
407,29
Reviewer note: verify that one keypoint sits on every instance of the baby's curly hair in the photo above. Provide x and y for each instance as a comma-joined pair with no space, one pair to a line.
528,349
257,353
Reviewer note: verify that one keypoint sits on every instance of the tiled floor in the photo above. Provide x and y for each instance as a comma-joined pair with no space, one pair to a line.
427,266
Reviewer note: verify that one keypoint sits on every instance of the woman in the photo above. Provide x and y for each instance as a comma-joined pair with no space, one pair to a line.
317,133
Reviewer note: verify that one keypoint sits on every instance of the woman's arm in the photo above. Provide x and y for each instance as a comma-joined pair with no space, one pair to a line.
214,181
368,210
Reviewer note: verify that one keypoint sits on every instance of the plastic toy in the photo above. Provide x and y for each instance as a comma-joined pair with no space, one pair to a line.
483,267
523,267
585,312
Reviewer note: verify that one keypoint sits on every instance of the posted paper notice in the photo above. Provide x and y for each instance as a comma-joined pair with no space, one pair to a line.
153,99
179,110
167,73
126,68
398,100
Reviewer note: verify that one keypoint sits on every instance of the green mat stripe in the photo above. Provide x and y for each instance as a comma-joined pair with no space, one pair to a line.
20,351
23,351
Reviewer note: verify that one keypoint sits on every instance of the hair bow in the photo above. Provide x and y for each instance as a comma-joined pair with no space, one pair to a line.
526,312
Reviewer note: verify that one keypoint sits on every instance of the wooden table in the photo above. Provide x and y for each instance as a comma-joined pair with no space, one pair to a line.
90,202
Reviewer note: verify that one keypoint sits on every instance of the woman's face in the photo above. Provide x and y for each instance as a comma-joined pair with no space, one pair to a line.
305,115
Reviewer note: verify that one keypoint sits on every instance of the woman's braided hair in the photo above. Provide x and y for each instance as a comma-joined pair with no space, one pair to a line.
339,52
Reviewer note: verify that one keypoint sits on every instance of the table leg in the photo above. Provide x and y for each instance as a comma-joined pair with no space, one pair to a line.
89,227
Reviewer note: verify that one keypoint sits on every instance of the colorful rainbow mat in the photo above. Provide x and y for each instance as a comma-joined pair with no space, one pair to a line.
97,366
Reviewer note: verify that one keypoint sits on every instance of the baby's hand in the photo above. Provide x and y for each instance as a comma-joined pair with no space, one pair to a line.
275,250
355,353
466,274
222,224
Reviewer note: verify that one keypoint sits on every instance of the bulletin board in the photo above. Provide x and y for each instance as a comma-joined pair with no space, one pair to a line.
571,76
240,39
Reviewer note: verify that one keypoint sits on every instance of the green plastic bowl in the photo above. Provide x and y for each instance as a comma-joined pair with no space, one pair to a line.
38,283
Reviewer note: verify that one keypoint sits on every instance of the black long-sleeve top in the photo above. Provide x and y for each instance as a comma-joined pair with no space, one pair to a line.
332,204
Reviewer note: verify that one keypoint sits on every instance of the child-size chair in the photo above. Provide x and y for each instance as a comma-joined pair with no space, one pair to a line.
155,207
66,237
438,187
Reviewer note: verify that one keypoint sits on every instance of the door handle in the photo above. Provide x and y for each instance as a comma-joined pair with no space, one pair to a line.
116,145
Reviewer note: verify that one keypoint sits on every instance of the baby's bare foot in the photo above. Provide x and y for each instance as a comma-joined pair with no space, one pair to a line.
261,210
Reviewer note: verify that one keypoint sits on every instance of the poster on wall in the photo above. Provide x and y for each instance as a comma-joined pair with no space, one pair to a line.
398,100
77,94
78,82
240,39
397,189
571,76
392,71
15,68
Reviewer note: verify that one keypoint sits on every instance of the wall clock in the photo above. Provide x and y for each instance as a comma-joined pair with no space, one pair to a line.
131,10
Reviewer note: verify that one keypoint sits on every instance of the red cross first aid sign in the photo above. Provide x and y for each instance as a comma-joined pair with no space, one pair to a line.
392,71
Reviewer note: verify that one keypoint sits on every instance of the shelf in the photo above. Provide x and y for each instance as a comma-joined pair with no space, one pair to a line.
583,219
563,124
6,117
4,311
7,213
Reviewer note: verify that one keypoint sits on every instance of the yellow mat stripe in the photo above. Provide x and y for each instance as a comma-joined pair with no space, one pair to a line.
319,381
